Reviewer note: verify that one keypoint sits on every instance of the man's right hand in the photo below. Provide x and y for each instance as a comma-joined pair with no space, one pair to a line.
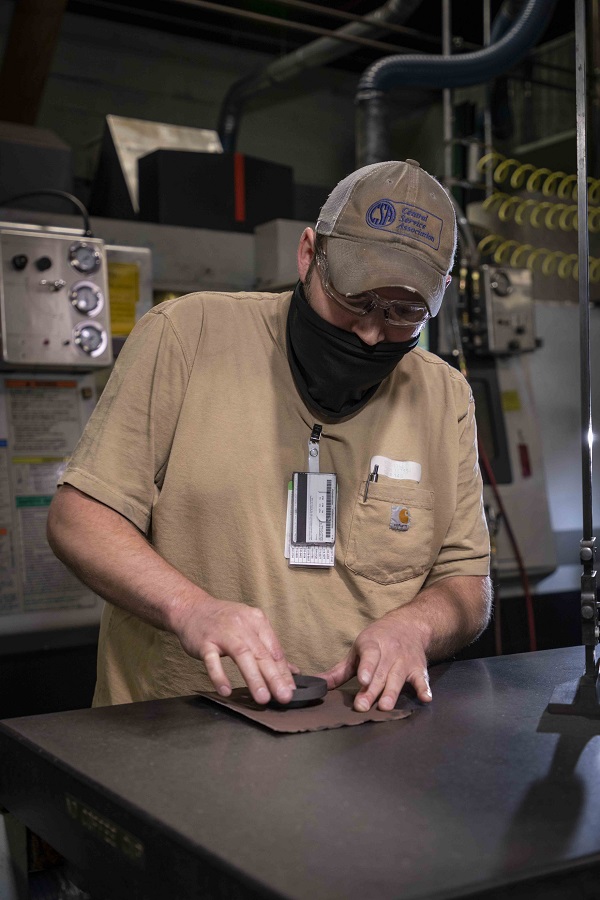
108,553
209,629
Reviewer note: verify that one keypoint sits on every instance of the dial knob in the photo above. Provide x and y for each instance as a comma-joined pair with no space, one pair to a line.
84,257
87,298
19,262
500,283
91,338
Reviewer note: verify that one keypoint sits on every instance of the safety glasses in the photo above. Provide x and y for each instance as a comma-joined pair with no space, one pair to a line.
404,313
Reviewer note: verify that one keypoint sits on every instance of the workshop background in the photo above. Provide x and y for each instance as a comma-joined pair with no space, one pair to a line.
202,137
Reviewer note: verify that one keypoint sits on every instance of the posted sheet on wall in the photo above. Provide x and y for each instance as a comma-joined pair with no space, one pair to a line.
41,419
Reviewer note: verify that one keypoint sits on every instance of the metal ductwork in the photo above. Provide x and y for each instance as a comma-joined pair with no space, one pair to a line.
431,71
317,53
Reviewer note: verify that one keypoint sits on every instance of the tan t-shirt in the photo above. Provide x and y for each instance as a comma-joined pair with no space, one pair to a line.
195,438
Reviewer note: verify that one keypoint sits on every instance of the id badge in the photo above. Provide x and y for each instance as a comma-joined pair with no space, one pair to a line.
311,519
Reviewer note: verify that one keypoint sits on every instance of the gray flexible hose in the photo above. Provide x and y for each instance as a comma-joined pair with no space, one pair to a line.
426,70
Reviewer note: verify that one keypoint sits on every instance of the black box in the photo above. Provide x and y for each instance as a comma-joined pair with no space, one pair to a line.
222,191
34,159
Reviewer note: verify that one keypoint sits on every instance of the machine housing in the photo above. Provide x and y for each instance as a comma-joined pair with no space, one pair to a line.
54,304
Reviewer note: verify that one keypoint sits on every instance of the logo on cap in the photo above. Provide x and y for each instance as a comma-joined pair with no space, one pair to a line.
406,220
381,214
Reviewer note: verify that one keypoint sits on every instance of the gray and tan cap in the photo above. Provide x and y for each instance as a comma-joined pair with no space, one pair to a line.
390,224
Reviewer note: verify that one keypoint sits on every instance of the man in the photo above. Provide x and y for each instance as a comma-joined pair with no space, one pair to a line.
174,506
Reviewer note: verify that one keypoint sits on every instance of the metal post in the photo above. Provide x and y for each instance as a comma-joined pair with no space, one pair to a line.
584,252
447,95
594,104
582,697
588,603
487,113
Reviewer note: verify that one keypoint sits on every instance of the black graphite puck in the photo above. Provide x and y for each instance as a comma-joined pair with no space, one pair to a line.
309,691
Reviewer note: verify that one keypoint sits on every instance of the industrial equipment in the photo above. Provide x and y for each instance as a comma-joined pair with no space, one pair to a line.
509,434
59,291
115,191
42,416
276,246
54,309
505,316
487,321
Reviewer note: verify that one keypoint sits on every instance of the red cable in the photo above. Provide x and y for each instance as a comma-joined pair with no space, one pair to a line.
239,187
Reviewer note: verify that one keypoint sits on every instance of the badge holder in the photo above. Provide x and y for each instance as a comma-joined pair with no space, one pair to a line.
311,512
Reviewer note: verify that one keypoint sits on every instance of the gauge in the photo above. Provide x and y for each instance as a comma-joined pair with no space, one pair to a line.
500,283
84,257
87,298
91,338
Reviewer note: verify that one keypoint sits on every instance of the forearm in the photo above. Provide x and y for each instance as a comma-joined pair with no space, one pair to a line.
448,615
114,559
108,553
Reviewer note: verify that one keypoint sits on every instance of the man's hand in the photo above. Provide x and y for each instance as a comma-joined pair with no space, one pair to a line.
214,628
385,656
108,553
394,650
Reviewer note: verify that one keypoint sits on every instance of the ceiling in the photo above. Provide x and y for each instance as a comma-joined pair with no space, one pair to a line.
279,31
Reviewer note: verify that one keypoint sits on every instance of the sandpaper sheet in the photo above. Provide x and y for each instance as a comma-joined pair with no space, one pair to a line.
334,711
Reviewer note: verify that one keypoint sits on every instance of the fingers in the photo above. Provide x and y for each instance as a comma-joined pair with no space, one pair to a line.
369,665
340,673
216,672
252,675
222,628
275,667
396,680
379,680
385,684
420,682
264,676
260,674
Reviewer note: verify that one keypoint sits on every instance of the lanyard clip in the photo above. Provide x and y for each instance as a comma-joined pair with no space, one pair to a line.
313,448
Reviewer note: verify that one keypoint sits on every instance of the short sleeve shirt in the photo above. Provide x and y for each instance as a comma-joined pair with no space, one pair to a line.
195,439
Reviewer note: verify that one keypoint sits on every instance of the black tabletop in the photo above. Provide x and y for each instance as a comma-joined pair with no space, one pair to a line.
480,789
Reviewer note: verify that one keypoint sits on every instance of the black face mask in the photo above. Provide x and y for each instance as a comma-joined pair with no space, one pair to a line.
335,372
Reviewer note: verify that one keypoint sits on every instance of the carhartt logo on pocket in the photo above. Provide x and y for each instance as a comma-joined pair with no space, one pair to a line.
400,520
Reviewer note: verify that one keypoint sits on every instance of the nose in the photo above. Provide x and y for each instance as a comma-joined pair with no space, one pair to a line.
370,328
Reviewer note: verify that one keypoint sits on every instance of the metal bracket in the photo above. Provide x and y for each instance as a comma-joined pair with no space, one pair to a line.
587,551
316,433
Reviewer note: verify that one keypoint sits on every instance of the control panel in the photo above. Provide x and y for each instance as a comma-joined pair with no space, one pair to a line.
54,309
509,315
495,311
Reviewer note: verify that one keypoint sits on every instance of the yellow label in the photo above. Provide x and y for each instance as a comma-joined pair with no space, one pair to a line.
124,293
511,402
36,460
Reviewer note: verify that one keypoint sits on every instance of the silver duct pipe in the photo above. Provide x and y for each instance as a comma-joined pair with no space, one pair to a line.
431,71
317,53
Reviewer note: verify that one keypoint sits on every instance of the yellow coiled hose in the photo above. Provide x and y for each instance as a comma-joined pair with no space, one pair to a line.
533,179
538,213
509,252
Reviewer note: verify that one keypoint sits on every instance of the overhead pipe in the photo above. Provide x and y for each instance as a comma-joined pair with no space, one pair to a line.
426,70
317,53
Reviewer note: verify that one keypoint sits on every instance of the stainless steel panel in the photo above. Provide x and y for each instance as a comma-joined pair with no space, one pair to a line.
38,320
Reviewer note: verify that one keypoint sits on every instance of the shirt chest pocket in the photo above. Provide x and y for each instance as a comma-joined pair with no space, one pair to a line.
391,534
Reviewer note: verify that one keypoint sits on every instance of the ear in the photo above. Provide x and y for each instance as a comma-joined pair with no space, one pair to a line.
448,280
306,252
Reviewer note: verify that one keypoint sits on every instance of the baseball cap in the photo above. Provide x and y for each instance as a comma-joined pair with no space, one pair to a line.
390,224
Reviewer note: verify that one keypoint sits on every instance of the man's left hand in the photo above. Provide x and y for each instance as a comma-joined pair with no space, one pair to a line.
393,651
385,656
